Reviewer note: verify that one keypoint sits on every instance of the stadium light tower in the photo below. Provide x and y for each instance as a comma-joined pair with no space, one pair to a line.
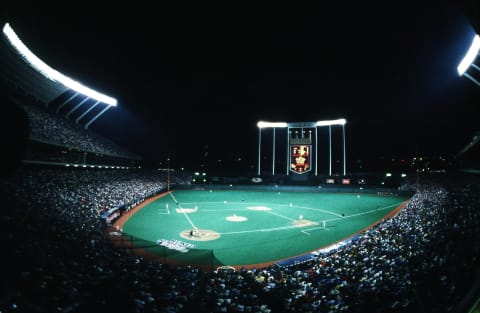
273,125
469,60
330,123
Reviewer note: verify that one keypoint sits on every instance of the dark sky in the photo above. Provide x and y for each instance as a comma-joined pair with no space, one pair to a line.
190,76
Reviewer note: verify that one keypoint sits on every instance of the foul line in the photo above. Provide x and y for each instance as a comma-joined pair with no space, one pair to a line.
280,215
320,210
305,231
173,197
185,214
358,214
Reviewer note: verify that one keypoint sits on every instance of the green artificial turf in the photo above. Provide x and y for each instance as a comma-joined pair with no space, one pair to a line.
268,232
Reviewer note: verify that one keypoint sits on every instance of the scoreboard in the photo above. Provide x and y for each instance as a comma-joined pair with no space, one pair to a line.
301,158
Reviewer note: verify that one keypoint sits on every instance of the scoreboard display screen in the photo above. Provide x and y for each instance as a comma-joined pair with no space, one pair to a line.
300,156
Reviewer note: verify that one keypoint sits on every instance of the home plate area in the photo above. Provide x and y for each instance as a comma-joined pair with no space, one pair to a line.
199,234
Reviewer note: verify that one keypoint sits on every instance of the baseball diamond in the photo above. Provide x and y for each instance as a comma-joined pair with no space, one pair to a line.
245,228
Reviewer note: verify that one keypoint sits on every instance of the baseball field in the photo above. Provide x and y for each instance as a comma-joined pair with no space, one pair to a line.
245,228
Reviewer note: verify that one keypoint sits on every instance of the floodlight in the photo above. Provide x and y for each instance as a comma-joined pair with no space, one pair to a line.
470,56
262,124
51,73
341,121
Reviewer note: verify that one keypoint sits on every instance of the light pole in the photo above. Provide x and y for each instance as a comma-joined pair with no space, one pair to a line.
168,174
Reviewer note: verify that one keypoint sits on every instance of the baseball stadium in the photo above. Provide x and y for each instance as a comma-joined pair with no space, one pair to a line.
87,228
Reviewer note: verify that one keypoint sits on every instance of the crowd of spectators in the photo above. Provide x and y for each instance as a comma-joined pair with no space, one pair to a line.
53,129
40,152
60,258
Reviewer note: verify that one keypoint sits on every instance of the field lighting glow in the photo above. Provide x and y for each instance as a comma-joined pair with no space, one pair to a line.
51,73
262,124
470,56
341,121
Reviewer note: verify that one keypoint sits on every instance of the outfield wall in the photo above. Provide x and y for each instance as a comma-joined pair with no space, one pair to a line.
319,188
391,179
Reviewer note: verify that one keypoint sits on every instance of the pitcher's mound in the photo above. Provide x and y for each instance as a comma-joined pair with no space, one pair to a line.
200,234
235,218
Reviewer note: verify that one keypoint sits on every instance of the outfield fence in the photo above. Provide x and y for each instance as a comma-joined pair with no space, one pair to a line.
319,188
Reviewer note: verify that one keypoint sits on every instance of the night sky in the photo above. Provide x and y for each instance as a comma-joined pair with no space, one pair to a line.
193,79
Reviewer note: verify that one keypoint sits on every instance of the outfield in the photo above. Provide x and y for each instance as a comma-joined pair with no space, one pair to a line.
248,228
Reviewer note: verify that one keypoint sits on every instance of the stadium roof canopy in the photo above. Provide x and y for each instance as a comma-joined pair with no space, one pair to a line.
20,75
24,71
